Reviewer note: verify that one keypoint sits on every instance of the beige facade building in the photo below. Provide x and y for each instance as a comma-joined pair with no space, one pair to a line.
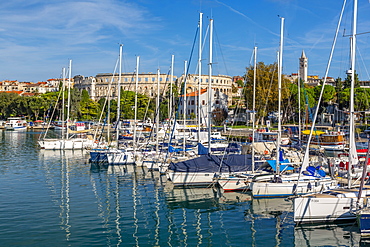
221,83
27,87
99,86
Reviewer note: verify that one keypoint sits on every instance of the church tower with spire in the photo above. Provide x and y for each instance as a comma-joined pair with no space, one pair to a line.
303,62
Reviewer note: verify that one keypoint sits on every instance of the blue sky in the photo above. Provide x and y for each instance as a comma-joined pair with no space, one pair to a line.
38,37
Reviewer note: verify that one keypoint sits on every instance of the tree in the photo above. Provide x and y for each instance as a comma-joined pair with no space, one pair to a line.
266,89
348,80
219,115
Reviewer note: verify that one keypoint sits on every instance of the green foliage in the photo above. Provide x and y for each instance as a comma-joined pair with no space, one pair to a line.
266,88
347,81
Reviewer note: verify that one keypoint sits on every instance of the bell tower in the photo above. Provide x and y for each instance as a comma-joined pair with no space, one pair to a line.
303,62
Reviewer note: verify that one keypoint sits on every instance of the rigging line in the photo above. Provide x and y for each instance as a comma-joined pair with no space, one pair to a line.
106,100
362,60
269,89
306,154
222,54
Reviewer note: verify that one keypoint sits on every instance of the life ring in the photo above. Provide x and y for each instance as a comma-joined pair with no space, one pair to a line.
265,152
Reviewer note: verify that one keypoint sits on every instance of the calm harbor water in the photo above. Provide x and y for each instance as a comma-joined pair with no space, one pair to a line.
56,198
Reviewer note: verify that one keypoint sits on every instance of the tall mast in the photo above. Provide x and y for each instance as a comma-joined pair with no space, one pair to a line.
157,115
210,85
199,71
63,100
353,159
69,94
136,86
280,65
184,104
254,105
118,124
299,108
171,81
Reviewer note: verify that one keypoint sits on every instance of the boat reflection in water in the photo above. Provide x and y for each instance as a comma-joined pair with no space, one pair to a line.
328,235
201,198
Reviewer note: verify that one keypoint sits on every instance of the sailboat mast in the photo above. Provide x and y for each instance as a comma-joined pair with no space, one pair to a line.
69,94
200,71
136,86
210,85
184,105
171,81
254,105
157,115
118,125
280,63
353,160
63,100
299,108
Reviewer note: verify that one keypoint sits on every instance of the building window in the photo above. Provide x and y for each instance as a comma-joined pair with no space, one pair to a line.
203,102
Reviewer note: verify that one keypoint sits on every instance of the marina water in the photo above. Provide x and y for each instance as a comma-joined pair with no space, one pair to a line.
56,198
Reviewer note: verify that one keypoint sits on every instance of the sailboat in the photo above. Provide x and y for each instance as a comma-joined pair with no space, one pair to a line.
118,156
312,179
339,204
66,141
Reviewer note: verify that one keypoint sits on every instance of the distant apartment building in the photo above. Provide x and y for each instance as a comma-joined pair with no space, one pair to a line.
27,88
312,80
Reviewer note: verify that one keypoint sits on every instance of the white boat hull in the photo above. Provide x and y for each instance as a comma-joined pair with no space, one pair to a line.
285,189
190,178
60,144
316,210
20,128
234,184
120,158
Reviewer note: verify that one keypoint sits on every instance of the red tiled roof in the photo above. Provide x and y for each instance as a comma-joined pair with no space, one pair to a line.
17,92
195,93
28,94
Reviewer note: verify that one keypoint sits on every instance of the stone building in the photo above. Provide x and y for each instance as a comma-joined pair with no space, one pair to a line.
99,86
221,83
189,104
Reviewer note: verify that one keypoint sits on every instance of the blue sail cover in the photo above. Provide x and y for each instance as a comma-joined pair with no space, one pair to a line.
215,163
283,167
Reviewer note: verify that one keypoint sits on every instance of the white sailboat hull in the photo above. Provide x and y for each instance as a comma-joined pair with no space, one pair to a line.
234,184
190,178
286,188
120,158
315,210
60,144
